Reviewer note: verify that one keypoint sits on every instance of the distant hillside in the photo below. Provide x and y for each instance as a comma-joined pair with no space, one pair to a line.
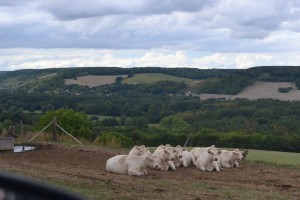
103,80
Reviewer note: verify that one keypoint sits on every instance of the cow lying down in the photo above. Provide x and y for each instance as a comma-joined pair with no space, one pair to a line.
164,157
229,159
207,158
131,165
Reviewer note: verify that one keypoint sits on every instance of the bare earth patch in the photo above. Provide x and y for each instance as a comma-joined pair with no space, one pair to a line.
93,80
261,90
84,167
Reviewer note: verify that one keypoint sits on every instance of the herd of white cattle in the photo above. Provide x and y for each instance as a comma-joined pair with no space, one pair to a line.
166,157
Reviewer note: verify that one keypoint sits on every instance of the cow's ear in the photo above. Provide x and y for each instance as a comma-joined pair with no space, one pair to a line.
209,151
236,153
147,157
236,150
183,149
178,146
147,149
166,151
219,152
213,146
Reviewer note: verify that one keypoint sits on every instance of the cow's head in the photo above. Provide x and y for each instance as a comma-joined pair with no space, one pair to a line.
151,162
214,154
140,150
169,154
238,154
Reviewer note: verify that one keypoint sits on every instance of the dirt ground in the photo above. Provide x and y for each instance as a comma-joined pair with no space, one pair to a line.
87,165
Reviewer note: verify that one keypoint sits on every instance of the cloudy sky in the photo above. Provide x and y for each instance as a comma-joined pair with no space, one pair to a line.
166,33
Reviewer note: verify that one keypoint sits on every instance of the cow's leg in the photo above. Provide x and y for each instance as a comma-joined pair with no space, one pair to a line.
226,165
216,166
193,161
202,168
184,163
171,164
236,164
135,172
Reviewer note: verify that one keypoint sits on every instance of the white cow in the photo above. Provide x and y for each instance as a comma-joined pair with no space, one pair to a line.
162,147
229,158
196,152
208,160
178,156
139,151
188,157
131,165
165,158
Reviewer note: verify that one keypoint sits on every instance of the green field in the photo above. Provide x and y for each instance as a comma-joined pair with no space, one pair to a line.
267,157
274,157
152,78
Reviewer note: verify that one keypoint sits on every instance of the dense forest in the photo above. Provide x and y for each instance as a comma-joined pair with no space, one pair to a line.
154,114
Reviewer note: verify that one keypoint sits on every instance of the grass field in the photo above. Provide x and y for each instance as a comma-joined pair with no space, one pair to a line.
152,78
274,157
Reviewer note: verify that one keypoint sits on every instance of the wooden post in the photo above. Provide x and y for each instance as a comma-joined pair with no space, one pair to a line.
21,128
40,131
54,129
186,142
68,134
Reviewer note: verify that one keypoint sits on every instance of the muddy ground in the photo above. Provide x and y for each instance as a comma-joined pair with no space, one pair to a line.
86,165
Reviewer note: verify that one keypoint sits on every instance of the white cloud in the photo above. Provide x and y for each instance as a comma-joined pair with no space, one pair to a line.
13,59
230,32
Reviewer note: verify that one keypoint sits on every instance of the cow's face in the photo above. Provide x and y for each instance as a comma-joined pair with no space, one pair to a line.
169,154
152,163
238,154
214,154
177,152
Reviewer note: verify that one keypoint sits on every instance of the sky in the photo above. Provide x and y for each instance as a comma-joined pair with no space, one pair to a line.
36,34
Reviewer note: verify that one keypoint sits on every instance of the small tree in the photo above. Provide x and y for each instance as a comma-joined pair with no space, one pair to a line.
75,123
175,123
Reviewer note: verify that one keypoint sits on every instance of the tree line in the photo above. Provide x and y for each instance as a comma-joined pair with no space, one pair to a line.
152,120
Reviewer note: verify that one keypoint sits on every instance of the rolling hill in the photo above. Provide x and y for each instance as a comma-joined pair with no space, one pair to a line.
253,83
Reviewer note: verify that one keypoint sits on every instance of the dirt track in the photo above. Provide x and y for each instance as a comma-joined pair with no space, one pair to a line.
87,165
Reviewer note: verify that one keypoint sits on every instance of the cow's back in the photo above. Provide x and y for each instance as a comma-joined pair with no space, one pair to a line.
117,164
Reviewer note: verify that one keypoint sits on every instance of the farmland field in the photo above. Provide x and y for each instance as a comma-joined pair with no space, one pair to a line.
93,80
261,90
152,78
82,169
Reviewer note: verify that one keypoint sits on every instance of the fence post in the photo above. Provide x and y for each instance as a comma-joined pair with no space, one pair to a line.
54,129
187,140
21,128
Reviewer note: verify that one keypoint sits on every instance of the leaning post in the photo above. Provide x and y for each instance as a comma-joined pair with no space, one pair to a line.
54,129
